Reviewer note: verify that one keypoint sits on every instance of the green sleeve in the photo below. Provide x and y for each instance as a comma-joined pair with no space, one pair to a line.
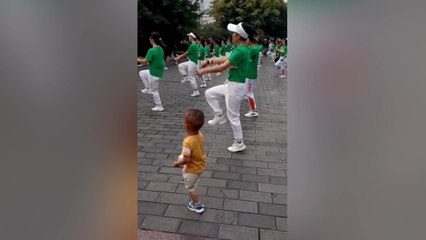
148,56
235,57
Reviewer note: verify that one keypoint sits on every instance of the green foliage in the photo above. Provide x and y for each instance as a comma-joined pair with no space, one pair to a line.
173,19
267,15
212,30
275,18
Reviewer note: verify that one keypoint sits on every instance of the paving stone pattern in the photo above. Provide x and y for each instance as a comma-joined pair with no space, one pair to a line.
245,193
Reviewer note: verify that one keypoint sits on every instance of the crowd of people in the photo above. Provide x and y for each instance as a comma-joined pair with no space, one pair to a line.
277,52
241,57
199,52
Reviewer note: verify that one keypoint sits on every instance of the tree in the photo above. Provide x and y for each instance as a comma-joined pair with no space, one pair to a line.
268,15
275,18
173,19
212,30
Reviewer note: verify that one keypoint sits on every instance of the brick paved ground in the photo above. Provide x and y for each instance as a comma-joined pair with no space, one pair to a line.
244,193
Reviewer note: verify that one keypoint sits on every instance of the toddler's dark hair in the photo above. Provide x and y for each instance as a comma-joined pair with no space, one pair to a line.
195,118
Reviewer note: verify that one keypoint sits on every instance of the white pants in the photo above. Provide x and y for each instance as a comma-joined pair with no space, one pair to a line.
250,94
272,55
233,93
189,70
260,56
281,63
203,78
208,74
151,83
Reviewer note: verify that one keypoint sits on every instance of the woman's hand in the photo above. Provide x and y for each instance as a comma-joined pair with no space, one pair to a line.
205,64
200,73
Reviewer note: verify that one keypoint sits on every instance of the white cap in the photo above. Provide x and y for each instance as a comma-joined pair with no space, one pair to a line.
238,29
192,35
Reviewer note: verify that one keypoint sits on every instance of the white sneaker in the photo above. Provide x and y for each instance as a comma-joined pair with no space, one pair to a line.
237,147
251,114
195,93
203,85
198,208
218,74
184,80
158,109
208,79
146,90
217,120
283,76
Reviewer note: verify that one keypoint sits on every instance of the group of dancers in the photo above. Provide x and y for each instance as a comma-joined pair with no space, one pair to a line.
239,55
277,52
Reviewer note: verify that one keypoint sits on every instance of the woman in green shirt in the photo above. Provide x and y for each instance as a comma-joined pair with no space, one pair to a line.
271,50
284,60
252,74
189,69
228,47
207,52
234,90
151,77
276,50
282,52
222,48
216,48
201,57
216,51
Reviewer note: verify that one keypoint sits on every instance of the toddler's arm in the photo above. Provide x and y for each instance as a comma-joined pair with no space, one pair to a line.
181,161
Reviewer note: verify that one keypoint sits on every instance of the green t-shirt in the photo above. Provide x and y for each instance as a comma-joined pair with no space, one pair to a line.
239,60
155,58
223,50
228,47
207,51
193,52
253,62
272,47
201,53
216,50
260,48
283,51
277,48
